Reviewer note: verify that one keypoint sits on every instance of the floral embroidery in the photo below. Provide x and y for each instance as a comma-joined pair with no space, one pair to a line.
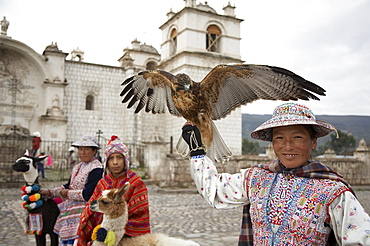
296,205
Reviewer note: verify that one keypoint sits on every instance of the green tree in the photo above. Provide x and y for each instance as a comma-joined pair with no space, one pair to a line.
344,145
249,147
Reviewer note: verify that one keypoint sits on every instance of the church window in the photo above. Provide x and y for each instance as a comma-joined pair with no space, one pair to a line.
173,41
151,65
89,102
213,38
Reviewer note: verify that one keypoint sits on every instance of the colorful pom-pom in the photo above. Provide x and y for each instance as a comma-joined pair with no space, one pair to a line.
112,139
28,189
110,239
101,234
35,197
38,203
34,205
35,187
94,233
31,197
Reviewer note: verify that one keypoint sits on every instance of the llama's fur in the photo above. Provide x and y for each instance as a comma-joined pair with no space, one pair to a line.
49,209
115,216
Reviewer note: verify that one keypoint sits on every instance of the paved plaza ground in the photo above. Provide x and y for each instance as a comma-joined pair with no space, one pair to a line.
176,212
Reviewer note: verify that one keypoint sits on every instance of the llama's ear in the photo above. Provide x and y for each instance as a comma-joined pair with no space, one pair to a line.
121,191
40,158
126,186
27,153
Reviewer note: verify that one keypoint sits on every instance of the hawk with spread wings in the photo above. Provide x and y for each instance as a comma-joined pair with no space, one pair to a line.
222,90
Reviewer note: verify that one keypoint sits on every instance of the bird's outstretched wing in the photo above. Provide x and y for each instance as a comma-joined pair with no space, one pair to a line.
152,90
230,86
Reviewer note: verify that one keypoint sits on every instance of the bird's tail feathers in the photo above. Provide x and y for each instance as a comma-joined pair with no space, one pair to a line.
182,147
218,151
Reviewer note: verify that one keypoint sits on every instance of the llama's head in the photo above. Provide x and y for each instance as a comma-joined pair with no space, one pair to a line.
28,166
112,202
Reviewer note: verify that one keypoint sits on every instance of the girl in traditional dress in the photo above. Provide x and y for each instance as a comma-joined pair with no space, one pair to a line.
117,165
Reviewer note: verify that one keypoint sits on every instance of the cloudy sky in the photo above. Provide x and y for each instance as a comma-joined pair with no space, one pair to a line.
326,42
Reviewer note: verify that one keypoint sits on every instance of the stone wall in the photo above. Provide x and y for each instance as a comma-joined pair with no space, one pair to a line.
174,170
356,172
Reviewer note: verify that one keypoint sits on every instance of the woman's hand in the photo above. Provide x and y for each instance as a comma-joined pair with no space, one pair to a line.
64,193
45,192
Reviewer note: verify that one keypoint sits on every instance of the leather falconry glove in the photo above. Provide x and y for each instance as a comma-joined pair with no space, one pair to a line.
192,137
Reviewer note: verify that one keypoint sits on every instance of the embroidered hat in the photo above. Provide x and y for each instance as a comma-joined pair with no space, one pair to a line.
289,114
115,145
86,141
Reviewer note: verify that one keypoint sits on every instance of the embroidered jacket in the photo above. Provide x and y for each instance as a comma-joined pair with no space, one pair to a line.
298,216
305,212
69,218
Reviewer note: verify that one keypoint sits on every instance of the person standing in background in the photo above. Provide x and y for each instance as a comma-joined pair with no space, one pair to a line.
71,157
41,166
35,143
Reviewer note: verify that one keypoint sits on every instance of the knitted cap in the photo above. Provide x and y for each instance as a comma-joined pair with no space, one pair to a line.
115,145
289,114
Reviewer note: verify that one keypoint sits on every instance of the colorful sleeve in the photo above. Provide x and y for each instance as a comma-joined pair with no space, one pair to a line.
219,190
349,220
138,206
55,192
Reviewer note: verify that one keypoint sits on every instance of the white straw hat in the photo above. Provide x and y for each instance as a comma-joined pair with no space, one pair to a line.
86,141
289,114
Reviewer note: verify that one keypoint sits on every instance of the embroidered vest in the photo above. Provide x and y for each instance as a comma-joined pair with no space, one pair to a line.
305,220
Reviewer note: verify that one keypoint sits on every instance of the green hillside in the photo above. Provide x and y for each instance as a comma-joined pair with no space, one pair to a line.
358,126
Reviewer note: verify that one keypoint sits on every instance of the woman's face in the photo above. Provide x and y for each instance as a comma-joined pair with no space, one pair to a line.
86,153
116,163
293,145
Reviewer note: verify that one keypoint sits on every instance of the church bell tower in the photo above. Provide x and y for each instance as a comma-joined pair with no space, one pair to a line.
197,38
194,40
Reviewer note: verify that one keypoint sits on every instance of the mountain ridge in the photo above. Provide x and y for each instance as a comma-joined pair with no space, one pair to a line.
356,125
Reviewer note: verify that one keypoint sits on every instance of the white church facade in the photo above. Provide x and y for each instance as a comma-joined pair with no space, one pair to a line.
65,99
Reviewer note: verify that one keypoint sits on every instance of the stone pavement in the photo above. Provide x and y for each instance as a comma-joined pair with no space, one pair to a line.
176,212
